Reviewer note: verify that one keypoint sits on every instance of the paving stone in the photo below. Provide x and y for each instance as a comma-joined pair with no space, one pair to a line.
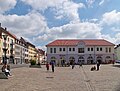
63,79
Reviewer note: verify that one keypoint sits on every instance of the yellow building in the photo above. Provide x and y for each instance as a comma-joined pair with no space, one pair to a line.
31,51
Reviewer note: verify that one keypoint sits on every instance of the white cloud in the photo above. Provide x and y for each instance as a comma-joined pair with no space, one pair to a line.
42,47
117,38
71,31
61,8
6,5
70,10
33,26
44,4
29,25
115,29
90,2
109,38
79,30
101,2
110,18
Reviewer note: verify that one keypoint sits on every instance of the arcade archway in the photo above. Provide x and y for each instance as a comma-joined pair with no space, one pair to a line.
90,60
81,59
71,60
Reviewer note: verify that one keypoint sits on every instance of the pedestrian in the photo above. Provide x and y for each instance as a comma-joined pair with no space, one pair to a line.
73,65
113,62
47,66
52,65
80,64
98,64
6,69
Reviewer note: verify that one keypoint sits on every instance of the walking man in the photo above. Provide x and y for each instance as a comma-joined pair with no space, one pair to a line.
52,65
98,64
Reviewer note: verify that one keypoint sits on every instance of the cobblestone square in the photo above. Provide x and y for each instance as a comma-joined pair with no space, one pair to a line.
63,79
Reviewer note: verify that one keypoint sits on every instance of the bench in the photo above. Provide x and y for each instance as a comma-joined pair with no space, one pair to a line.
3,76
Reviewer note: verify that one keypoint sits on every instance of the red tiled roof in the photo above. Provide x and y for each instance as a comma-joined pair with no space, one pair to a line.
74,42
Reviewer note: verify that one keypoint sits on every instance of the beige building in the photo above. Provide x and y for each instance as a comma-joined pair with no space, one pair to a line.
40,55
7,45
0,49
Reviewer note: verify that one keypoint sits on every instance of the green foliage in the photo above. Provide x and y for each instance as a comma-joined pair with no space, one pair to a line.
33,62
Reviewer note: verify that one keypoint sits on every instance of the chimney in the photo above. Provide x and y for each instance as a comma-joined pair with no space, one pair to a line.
5,29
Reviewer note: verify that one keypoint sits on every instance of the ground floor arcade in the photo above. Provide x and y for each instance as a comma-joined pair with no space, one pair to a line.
84,59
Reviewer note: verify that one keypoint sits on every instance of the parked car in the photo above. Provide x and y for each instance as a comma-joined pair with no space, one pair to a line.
117,61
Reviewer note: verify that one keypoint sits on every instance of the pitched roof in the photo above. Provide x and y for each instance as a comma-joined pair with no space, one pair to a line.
74,42
4,30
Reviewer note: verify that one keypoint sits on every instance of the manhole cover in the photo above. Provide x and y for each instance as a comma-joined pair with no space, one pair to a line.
50,77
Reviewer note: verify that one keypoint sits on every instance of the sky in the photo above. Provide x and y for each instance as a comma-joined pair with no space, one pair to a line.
43,21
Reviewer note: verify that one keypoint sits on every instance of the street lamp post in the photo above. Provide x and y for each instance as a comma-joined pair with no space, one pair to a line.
4,49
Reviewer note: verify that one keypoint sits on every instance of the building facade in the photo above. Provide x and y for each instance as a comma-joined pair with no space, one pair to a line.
17,51
0,49
31,51
117,52
40,55
24,50
7,44
85,51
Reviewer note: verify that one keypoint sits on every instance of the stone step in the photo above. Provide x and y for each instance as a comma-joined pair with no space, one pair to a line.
3,76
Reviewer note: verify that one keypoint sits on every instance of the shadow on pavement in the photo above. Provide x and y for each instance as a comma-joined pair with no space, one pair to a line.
116,65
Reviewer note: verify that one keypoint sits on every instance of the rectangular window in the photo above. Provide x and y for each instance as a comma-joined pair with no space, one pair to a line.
101,49
50,50
73,49
80,50
97,49
91,49
60,49
109,49
88,49
69,49
106,49
63,49
54,50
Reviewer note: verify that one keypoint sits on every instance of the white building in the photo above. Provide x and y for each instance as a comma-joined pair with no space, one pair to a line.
87,51
17,51
21,51
24,51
